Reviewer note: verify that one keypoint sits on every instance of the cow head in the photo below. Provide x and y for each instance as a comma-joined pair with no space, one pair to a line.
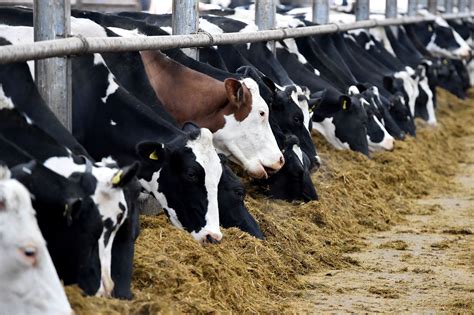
377,136
29,282
293,182
183,175
291,119
115,196
448,78
442,40
288,108
401,113
232,210
247,138
341,120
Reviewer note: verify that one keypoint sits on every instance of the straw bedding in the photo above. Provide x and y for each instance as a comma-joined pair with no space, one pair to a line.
173,273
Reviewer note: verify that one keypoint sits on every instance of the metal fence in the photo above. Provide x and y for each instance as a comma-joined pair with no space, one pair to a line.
55,73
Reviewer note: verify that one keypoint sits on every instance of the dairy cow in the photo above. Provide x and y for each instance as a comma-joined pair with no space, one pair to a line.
29,282
67,215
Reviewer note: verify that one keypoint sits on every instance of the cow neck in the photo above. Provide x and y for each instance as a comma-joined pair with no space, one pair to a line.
198,98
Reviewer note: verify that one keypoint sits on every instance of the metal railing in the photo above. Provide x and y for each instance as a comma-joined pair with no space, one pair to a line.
264,18
80,45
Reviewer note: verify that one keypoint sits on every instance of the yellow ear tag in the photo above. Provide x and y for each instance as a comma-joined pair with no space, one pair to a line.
445,61
153,156
117,177
344,104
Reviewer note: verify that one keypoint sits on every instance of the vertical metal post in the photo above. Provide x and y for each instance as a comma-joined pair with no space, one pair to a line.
391,8
52,20
265,11
362,10
321,11
433,6
462,6
448,6
185,20
412,7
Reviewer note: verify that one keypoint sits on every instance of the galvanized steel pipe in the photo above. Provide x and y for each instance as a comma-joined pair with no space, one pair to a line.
80,45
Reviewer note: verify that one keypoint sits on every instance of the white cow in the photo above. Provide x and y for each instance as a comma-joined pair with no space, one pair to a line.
29,283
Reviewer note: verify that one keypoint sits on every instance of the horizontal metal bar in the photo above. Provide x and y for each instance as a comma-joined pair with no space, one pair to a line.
81,45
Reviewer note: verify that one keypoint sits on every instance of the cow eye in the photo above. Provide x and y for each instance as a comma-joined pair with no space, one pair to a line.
262,113
297,119
191,176
240,193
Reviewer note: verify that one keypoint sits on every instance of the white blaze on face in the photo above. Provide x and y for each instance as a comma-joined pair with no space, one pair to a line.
29,283
328,130
299,153
387,142
250,142
207,157
302,103
429,103
109,200
411,88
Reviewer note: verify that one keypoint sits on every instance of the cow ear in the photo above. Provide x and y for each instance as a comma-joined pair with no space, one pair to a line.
151,151
87,181
345,102
234,91
125,175
269,83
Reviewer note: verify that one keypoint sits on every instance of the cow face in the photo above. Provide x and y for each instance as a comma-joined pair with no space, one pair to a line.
377,136
291,119
247,138
448,78
232,210
29,282
293,182
445,41
183,176
123,247
341,120
114,209
401,114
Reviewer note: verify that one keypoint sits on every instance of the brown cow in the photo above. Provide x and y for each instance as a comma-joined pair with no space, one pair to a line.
233,110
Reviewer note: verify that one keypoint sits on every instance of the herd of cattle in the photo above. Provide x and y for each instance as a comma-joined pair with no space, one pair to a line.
164,125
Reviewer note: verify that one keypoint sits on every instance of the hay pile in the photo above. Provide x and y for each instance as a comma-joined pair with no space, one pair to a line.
173,273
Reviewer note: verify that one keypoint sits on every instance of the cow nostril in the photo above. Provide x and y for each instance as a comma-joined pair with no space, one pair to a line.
211,239
282,160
